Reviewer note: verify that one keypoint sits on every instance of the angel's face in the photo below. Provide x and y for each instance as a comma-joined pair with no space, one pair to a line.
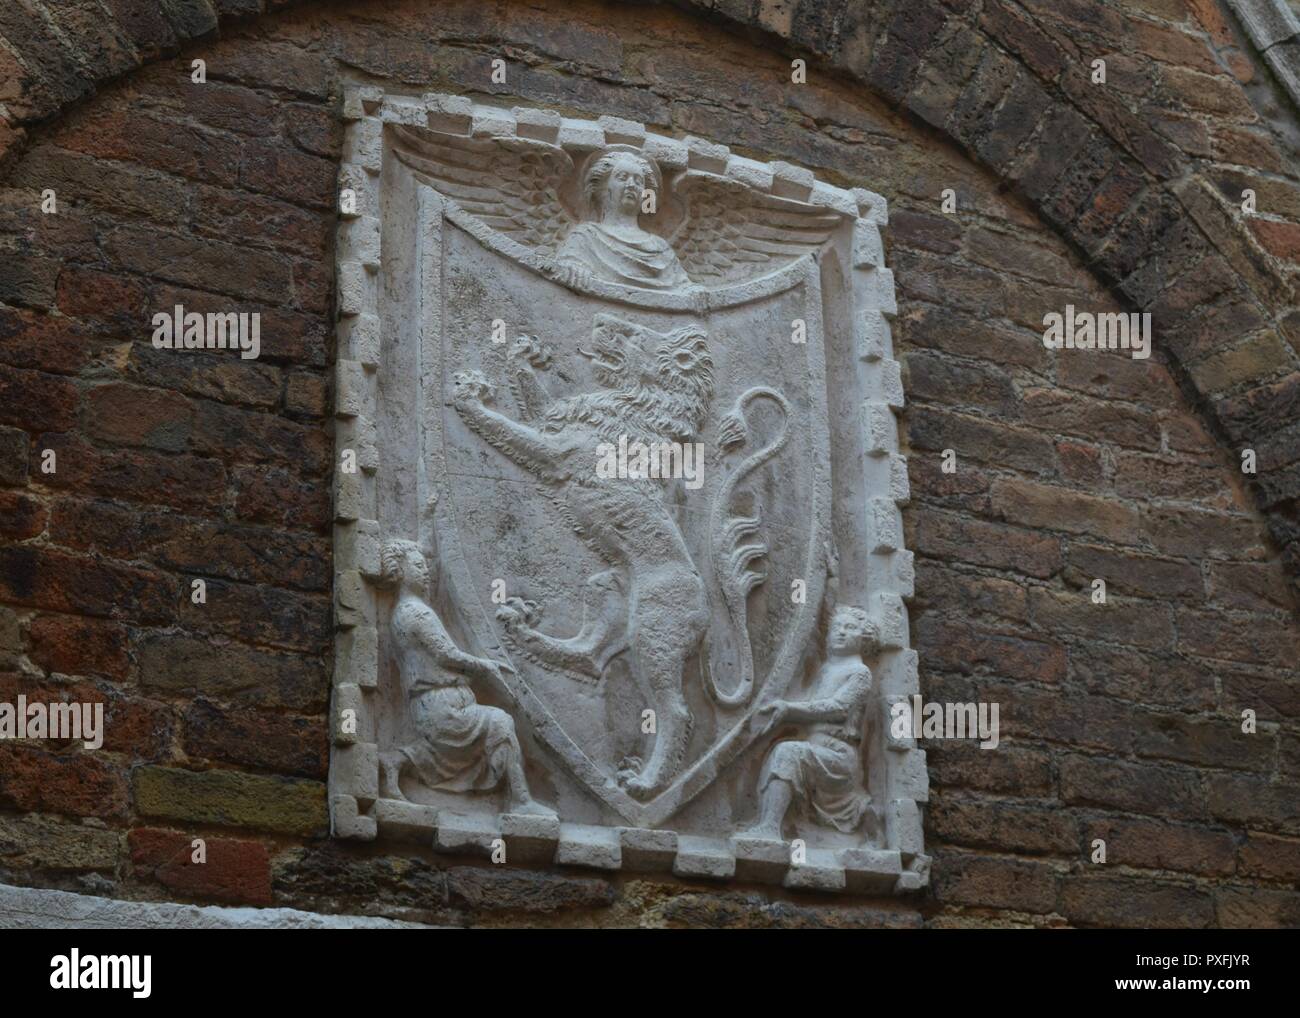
626,184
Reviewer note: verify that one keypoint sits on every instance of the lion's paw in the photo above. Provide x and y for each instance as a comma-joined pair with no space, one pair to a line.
471,387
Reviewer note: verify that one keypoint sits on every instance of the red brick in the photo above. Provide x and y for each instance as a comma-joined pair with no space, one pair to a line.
1153,789
293,176
1014,770
1127,574
182,665
956,647
1146,844
29,339
1279,238
1005,826
56,581
75,783
232,870
172,146
35,401
78,646
961,878
130,415
184,482
1130,902
21,516
88,293
1039,505
256,739
944,535
1270,858
262,615
1218,635
133,726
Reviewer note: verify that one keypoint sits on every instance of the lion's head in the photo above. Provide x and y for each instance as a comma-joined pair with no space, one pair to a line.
657,384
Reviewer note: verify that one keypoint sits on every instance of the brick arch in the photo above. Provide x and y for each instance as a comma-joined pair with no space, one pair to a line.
1140,175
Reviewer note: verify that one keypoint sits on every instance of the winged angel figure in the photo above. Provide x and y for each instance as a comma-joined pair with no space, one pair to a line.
586,222
579,224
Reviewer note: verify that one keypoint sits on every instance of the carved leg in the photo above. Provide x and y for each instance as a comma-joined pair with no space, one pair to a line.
772,808
519,800
671,616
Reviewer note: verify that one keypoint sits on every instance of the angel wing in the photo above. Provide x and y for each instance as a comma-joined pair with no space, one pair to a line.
510,184
730,233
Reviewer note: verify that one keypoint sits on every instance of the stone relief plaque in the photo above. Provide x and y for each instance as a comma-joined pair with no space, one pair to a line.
619,560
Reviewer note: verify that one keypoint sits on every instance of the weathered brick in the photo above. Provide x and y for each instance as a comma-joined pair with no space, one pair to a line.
1128,574
937,378
78,646
943,535
1145,844
1259,802
75,783
21,516
968,879
35,401
41,843
262,614
1151,789
1270,858
1213,634
131,415
56,581
184,482
186,666
256,739
231,799
1028,503
1015,770
1009,826
1254,908
975,438
1129,902
960,648
230,870
1217,742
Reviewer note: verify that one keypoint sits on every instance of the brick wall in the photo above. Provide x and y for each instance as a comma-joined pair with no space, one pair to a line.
1120,722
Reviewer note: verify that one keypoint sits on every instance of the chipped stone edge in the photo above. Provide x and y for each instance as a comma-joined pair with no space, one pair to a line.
1274,29
354,809
30,908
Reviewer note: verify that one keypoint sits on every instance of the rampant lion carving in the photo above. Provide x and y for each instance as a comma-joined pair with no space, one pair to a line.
652,604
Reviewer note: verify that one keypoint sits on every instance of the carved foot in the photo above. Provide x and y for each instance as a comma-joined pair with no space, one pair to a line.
531,807
390,771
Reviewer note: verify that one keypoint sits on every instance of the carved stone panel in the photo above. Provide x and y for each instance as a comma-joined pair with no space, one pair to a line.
620,570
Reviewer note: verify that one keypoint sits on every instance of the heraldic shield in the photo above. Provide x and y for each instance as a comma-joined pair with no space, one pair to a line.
620,570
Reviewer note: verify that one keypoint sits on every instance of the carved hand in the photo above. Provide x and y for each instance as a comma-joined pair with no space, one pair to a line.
771,714
572,275
495,669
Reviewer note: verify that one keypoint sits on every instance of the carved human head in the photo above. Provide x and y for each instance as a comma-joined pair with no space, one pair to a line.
619,180
401,563
852,630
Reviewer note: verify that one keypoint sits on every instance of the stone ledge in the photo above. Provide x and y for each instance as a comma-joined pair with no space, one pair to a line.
30,908
544,840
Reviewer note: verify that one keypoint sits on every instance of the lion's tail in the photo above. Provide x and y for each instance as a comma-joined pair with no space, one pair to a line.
734,557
